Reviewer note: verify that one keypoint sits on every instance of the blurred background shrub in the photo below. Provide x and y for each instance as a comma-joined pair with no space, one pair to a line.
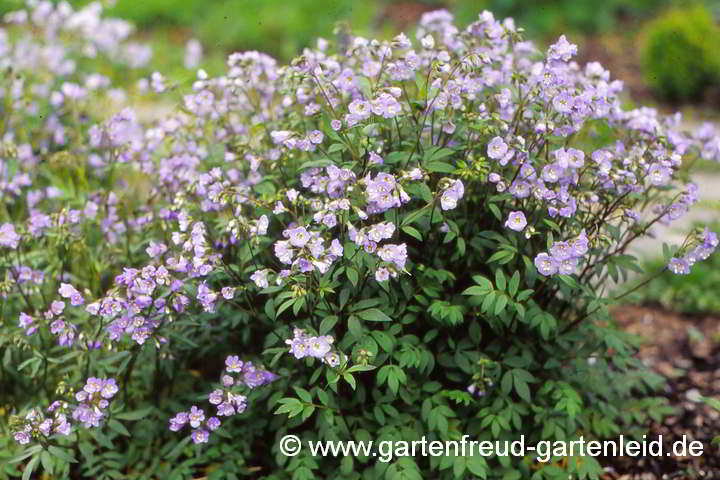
681,53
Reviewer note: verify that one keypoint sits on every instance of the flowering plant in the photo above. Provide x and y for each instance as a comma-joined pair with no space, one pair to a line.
384,239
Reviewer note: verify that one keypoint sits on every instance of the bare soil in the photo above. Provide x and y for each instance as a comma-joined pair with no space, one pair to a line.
685,350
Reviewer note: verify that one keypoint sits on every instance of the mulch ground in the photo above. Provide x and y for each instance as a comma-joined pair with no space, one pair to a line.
686,350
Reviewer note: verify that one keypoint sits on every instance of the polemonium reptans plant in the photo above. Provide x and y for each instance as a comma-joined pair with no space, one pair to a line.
382,240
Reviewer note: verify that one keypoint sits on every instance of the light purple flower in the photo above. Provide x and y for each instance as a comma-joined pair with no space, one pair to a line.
451,195
216,397
567,266
679,266
579,245
233,364
23,438
562,50
196,416
213,423
516,221
552,173
382,274
546,265
332,359
8,237
178,421
225,409
299,237
497,148
200,436
109,388
396,254
260,277
659,174
561,251
156,249
319,346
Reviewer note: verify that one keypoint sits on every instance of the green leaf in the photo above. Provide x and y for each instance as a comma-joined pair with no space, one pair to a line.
355,327
365,304
30,467
488,302
118,427
373,315
438,154
323,162
501,256
514,284
383,339
303,394
412,232
178,449
483,282
285,305
327,324
476,290
506,382
413,216
61,453
47,462
24,454
500,303
134,414
495,211
361,368
568,280
335,147
352,275
440,167
477,466
500,281
521,388
346,465
350,379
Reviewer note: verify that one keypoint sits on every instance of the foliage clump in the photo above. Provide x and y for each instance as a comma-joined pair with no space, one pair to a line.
383,240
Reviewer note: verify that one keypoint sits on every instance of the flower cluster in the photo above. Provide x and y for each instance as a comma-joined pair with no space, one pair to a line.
37,424
94,399
305,251
196,419
705,247
563,257
302,345
227,400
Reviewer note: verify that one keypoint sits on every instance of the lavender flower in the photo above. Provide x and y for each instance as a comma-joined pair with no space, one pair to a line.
451,195
497,148
299,237
561,251
679,266
516,221
546,265
200,436
233,364
8,237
